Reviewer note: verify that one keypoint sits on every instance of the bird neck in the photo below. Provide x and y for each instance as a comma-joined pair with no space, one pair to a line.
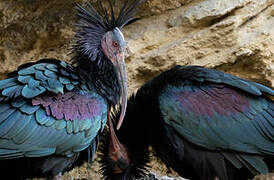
149,118
102,75
142,112
134,138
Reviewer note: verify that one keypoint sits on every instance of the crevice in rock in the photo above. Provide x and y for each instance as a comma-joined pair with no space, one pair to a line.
219,19
254,16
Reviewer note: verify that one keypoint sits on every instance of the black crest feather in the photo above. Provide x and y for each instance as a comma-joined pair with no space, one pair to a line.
95,21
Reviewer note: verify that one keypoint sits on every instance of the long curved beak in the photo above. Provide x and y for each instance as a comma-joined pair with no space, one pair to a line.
122,75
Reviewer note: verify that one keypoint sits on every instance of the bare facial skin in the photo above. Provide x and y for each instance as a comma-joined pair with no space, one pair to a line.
114,46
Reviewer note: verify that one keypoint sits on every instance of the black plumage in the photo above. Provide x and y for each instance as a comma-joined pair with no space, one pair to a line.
201,122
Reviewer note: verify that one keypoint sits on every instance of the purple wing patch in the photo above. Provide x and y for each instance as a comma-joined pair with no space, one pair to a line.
70,106
216,99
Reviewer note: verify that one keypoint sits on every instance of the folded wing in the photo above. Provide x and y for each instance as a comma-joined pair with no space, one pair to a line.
46,108
221,112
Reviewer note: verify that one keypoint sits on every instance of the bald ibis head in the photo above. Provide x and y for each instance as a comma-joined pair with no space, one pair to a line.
99,50
113,45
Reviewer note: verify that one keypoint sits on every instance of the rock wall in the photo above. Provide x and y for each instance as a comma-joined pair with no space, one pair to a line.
236,36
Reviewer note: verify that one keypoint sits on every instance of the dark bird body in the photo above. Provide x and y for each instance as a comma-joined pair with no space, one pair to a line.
52,112
202,123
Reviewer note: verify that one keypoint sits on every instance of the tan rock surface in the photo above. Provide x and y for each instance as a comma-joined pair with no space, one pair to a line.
236,36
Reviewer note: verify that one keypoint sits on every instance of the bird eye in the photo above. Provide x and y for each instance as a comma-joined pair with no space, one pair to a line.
115,44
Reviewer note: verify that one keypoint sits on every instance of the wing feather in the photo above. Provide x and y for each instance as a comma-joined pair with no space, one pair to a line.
224,119
29,108
6,83
200,74
3,108
4,115
30,128
21,135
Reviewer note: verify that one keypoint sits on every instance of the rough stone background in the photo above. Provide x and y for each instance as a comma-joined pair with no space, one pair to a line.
236,36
